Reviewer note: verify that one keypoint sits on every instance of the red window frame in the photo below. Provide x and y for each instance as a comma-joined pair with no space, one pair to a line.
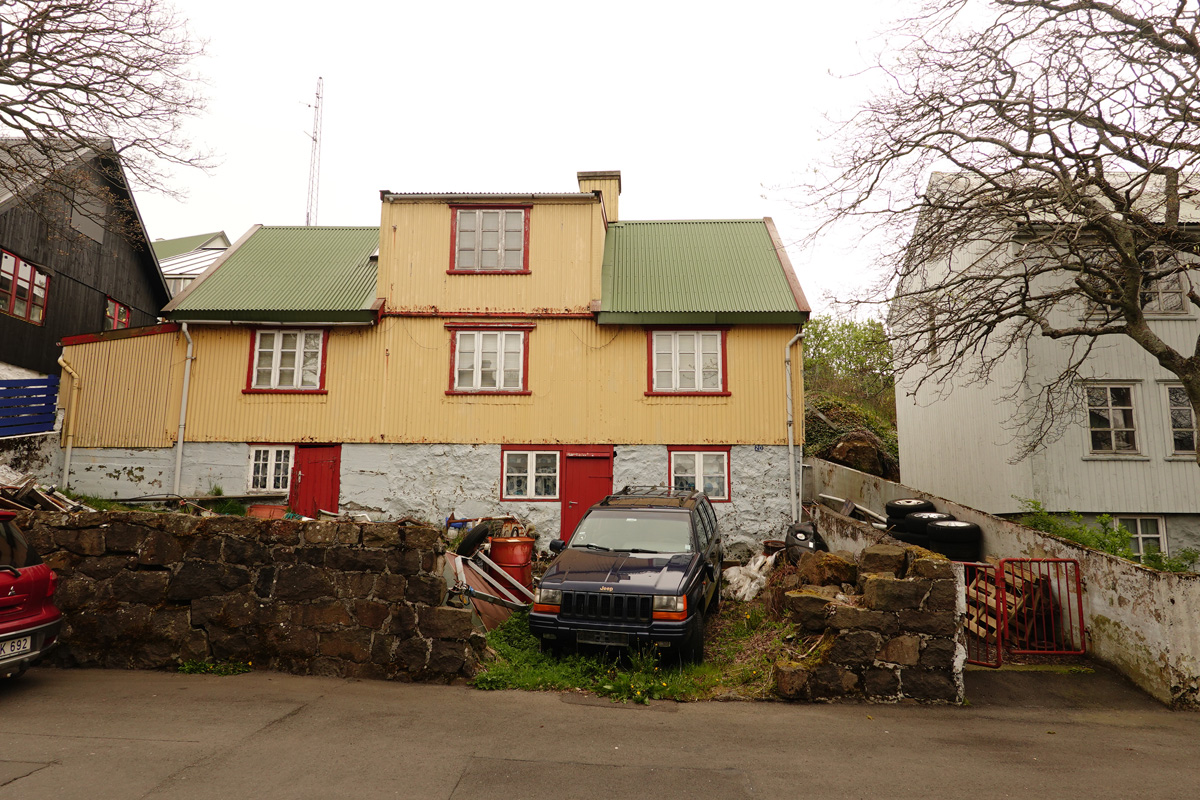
8,298
254,332
454,269
672,450
456,328
116,315
652,392
531,449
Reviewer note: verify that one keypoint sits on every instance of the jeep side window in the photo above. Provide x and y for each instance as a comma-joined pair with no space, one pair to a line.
710,520
701,530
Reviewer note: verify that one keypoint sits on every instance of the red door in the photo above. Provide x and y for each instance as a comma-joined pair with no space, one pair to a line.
316,479
587,479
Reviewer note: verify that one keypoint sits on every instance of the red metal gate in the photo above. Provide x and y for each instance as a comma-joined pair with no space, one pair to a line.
1023,605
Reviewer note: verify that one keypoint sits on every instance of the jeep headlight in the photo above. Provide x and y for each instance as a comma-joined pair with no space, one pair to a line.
547,597
669,602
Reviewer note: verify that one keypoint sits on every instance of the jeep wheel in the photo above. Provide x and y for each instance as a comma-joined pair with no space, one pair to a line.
714,607
692,651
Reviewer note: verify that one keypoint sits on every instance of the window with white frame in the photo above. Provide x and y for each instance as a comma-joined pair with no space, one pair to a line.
706,471
530,475
270,469
490,240
489,361
1183,420
1110,419
1145,534
287,359
687,361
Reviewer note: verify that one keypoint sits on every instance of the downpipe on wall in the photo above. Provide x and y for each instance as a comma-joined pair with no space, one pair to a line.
76,388
787,361
183,404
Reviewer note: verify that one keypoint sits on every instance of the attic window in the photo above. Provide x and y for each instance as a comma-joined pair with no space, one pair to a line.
116,315
87,215
490,240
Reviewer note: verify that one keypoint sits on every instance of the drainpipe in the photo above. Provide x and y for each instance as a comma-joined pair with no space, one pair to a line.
183,402
787,361
76,387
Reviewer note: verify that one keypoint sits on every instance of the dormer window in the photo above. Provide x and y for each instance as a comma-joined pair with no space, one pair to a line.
490,240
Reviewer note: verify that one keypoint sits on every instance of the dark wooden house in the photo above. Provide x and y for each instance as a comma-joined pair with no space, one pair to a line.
72,265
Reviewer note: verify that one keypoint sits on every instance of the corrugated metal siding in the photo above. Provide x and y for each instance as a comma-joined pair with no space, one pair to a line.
131,389
588,384
693,266
293,269
564,263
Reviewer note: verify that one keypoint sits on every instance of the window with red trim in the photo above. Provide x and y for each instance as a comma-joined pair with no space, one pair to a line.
116,315
489,360
687,362
490,240
286,360
703,470
22,289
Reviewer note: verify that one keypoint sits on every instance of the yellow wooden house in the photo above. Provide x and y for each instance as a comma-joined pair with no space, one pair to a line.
473,354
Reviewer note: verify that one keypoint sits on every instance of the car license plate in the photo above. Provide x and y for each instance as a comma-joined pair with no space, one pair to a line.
14,646
603,637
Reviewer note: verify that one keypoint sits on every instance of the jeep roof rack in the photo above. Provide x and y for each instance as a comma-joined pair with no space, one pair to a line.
652,496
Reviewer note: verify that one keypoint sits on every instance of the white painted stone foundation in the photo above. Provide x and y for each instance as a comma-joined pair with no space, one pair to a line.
433,481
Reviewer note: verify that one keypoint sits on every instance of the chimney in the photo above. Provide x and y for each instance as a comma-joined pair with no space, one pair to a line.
608,184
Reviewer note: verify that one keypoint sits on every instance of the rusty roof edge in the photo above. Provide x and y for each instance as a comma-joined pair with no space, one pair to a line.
786,263
484,197
221,259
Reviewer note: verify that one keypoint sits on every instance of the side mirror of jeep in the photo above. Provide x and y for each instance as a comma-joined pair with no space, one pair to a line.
557,545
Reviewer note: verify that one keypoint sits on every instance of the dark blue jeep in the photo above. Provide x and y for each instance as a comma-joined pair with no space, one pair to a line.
642,568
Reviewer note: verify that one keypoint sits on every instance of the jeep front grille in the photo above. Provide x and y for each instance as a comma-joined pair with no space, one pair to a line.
606,606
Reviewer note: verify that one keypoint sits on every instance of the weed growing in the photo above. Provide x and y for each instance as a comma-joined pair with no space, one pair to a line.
1105,536
215,667
742,645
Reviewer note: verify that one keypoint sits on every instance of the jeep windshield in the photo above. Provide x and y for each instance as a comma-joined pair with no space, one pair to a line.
635,530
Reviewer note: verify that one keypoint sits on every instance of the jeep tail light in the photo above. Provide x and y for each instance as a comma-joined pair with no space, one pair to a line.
547,601
52,584
668,606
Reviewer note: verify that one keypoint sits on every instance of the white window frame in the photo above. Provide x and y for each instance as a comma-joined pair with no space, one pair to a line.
273,366
508,240
669,366
273,481
1137,536
469,372
1172,408
1113,429
701,470
530,474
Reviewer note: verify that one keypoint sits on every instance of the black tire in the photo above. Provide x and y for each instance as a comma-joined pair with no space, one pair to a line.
714,607
895,523
918,522
551,647
907,505
473,540
955,539
692,651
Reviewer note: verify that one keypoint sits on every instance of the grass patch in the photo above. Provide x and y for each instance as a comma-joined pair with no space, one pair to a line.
742,645
215,667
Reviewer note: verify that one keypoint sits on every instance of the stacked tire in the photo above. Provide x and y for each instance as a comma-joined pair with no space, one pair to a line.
915,521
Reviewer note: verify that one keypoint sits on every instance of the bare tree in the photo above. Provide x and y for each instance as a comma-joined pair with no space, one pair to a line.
1069,135
85,77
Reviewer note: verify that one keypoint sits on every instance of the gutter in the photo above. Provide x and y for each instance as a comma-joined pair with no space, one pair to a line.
183,403
793,496
76,388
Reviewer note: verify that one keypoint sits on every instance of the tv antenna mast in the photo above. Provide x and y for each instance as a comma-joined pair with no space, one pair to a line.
314,162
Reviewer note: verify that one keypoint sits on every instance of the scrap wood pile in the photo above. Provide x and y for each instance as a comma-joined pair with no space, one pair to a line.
19,493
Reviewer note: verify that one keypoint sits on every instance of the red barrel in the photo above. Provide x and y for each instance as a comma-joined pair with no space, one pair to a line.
514,555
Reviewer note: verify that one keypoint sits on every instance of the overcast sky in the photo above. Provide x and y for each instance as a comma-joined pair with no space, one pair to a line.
709,111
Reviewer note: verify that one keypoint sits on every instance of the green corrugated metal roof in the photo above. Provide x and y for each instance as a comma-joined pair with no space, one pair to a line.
169,248
301,274
695,271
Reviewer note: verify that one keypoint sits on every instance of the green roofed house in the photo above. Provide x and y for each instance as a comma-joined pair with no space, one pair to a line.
475,354
184,259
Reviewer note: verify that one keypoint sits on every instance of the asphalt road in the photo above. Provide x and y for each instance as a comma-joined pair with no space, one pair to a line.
161,736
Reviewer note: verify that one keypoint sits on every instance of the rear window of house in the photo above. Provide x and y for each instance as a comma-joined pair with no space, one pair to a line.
14,550
635,528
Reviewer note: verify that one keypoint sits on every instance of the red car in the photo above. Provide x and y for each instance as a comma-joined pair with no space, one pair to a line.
29,621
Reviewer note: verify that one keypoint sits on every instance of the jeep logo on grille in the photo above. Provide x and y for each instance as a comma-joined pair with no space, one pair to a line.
606,588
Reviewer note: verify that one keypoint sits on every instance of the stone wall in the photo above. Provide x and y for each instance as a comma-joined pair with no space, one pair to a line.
890,625
145,591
